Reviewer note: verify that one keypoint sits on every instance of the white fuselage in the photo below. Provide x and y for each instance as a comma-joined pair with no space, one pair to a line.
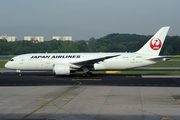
45,61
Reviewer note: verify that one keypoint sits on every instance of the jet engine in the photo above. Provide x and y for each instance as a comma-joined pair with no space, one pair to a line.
61,69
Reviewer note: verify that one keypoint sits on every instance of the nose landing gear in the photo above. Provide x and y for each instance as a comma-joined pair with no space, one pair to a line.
19,73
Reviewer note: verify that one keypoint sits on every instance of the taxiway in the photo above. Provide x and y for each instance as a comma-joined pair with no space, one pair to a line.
100,97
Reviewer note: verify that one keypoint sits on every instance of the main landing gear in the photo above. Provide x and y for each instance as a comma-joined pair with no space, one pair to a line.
87,74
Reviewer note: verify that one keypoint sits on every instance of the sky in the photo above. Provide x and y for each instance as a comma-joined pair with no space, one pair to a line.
83,19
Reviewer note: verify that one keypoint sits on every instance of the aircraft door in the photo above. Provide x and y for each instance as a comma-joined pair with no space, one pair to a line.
136,59
21,60
47,65
132,59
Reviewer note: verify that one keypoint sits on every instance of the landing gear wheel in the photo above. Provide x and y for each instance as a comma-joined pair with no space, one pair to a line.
20,74
84,75
88,74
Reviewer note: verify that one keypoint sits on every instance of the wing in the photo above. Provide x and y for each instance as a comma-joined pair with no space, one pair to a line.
92,61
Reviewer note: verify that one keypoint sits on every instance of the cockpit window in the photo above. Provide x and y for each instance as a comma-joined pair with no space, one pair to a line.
12,60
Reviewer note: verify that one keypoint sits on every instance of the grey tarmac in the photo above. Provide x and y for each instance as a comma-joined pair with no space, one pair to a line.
45,96
82,102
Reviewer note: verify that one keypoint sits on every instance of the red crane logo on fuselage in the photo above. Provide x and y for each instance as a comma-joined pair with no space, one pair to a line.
155,43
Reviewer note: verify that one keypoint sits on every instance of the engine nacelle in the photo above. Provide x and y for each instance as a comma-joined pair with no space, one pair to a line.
61,69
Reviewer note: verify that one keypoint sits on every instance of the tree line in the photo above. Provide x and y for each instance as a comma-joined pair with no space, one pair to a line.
110,43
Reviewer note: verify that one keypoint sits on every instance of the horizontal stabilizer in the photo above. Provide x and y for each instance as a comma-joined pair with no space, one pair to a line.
165,58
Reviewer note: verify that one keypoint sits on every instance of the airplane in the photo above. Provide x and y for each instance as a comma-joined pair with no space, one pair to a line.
67,63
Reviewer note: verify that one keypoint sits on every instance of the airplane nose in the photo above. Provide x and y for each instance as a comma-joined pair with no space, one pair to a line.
6,65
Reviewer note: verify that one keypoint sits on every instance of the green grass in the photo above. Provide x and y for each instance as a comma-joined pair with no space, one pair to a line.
166,64
5,58
93,72
175,58
163,64
2,63
138,72
151,72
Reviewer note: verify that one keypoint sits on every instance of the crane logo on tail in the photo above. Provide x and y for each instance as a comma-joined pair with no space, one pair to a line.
155,43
